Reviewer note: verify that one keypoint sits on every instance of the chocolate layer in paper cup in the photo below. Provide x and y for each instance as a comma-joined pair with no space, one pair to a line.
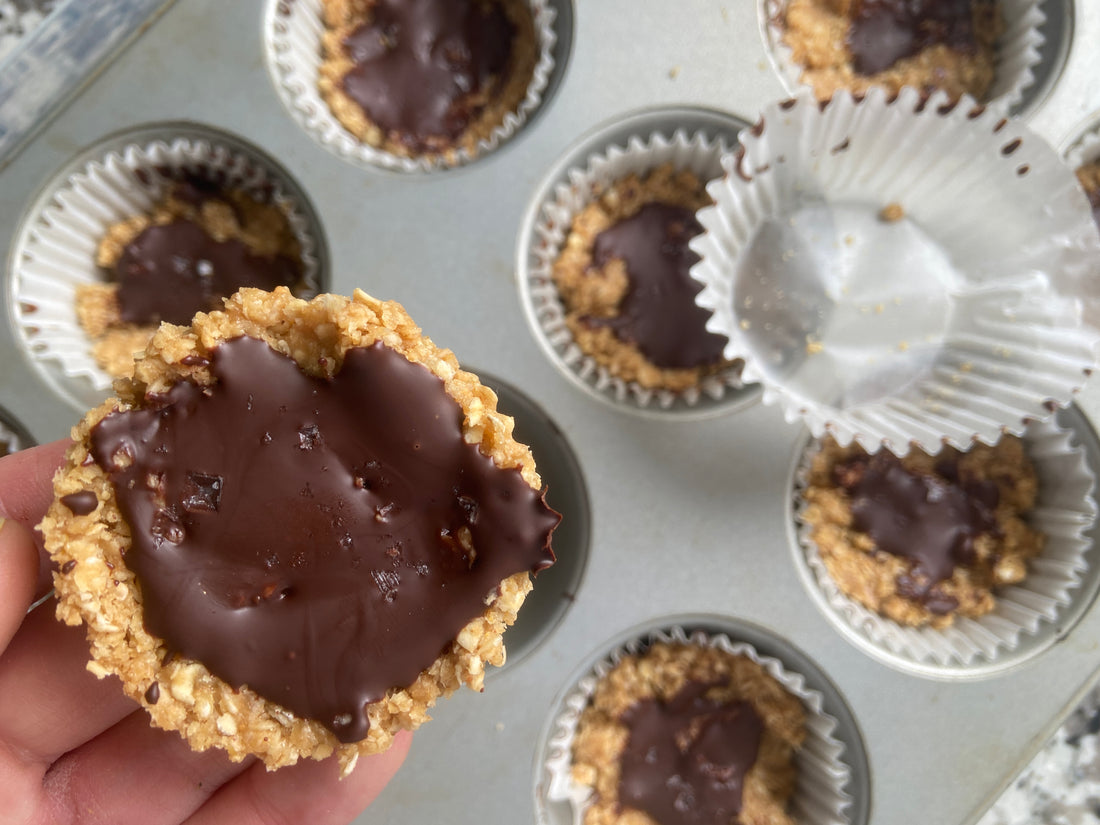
590,169
293,31
1017,51
1032,610
900,272
822,792
55,248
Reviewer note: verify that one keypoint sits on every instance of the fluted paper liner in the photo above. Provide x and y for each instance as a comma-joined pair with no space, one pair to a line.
1065,510
821,795
641,154
975,311
292,44
1017,51
55,251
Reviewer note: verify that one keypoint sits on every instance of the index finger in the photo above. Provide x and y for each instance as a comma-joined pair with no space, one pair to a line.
26,482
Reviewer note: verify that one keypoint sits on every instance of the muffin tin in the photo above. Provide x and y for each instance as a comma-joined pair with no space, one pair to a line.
666,518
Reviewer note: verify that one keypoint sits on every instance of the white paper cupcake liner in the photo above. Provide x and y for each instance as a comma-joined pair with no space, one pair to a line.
1084,148
821,794
1065,511
55,249
976,311
1017,50
292,44
640,154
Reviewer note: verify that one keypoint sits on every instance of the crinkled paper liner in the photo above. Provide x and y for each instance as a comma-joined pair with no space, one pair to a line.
1017,50
975,312
55,252
1086,147
1065,511
641,154
292,45
821,796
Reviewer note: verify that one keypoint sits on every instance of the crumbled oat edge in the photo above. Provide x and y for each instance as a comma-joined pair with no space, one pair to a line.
96,588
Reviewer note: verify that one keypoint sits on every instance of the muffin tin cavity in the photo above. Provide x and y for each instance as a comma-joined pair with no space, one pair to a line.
833,772
556,587
13,435
119,178
1057,32
687,138
293,32
1029,617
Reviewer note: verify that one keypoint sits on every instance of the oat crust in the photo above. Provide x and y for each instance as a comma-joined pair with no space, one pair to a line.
501,98
94,586
816,31
588,290
869,576
661,672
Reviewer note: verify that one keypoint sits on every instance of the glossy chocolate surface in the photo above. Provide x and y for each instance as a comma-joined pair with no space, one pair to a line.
882,32
685,760
422,65
81,503
171,271
658,314
308,537
933,520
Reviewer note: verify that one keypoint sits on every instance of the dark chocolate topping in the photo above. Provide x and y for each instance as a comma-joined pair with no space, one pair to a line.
932,520
658,313
152,693
171,271
685,760
420,65
82,503
307,537
882,32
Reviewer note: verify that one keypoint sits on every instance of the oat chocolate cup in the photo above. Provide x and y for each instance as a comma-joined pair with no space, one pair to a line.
857,260
1017,53
831,765
1028,616
55,249
293,33
692,140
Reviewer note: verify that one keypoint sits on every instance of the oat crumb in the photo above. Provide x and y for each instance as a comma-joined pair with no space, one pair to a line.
892,213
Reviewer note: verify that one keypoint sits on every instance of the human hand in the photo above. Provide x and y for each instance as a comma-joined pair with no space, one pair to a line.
74,749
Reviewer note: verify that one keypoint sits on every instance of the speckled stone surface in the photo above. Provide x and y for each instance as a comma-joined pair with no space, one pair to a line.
17,18
1061,786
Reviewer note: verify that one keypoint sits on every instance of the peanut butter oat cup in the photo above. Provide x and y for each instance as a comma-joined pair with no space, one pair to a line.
1028,617
294,32
118,180
902,273
824,789
619,160
297,527
1017,53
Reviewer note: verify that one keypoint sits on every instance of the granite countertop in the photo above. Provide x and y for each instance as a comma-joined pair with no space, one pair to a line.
1061,786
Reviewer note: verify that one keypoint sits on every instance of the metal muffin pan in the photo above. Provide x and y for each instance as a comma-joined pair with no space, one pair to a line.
681,517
